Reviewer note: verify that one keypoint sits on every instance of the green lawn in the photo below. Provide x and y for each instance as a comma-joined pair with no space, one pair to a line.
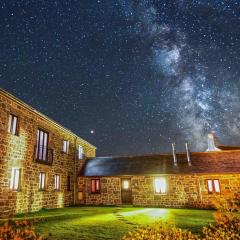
90,223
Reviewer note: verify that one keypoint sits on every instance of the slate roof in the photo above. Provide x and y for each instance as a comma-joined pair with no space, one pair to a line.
201,162
223,147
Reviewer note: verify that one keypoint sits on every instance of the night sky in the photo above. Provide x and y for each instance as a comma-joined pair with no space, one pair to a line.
129,76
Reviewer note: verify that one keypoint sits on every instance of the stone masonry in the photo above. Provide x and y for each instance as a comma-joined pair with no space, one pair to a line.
186,190
18,151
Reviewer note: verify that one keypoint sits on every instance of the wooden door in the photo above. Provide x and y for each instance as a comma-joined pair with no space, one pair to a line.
126,191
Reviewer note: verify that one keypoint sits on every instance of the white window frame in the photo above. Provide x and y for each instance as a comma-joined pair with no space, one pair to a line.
42,181
160,185
213,186
95,185
13,124
65,146
80,152
57,182
15,180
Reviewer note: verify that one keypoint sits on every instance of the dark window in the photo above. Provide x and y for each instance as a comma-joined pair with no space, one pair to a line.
68,183
42,181
42,153
13,124
95,185
213,185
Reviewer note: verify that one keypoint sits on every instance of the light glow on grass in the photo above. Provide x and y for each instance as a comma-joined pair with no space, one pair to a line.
159,212
131,213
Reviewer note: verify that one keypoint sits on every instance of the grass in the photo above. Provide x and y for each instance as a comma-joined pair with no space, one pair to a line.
90,223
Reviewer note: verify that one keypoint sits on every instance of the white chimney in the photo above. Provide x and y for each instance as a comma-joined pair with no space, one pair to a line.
212,143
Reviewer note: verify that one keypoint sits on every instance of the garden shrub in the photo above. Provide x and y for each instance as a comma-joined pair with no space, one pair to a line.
223,231
18,230
227,219
160,231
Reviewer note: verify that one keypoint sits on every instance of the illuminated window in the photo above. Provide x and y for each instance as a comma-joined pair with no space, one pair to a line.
68,183
15,179
160,185
13,124
80,152
95,185
213,185
65,146
42,181
57,182
125,184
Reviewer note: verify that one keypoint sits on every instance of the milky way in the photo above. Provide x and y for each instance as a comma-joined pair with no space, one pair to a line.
129,76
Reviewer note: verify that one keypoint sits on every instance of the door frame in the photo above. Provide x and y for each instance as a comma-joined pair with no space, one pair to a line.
127,191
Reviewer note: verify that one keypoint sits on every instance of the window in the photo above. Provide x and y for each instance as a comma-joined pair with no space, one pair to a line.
80,152
68,183
42,146
160,185
42,181
213,185
65,146
125,184
15,179
95,185
13,124
57,182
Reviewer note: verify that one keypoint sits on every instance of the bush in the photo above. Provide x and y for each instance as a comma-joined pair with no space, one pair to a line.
223,231
18,230
160,231
227,219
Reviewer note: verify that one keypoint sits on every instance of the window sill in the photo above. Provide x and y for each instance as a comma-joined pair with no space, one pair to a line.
66,153
160,194
15,190
95,193
43,162
16,135
42,190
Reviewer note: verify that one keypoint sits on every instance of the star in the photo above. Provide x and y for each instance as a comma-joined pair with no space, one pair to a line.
143,73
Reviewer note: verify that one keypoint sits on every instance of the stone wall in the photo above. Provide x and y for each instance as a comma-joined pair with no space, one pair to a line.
18,151
188,190
110,191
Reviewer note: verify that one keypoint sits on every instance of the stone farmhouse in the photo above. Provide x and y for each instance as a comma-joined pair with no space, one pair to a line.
45,165
39,159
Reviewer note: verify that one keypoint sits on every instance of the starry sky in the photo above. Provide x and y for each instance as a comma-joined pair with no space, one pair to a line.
131,77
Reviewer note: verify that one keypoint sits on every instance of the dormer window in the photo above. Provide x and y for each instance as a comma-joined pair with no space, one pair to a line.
13,124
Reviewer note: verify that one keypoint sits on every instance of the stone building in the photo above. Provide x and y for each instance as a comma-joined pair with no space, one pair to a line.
44,165
161,180
39,159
